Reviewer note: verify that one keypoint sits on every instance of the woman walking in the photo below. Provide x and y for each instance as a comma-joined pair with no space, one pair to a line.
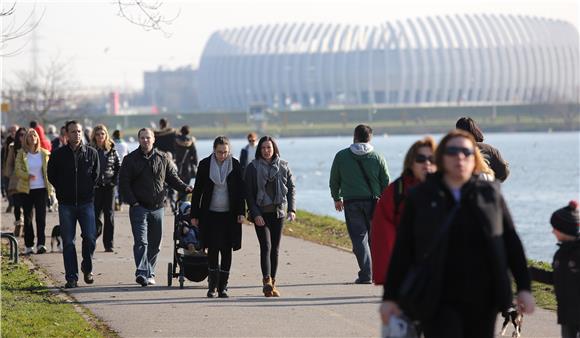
185,156
270,196
105,189
218,209
17,198
419,161
30,167
460,226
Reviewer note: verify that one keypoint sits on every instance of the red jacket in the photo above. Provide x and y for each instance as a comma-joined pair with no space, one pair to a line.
44,142
384,226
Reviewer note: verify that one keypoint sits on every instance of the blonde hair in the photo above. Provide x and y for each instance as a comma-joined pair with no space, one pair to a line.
31,148
108,144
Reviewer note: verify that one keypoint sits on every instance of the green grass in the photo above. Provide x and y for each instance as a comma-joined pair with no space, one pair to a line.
30,309
329,231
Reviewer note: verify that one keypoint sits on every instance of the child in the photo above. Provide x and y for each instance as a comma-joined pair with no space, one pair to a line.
566,265
189,237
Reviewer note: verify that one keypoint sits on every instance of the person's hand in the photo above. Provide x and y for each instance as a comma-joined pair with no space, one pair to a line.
189,189
31,177
241,218
526,302
291,216
194,222
259,221
387,309
338,205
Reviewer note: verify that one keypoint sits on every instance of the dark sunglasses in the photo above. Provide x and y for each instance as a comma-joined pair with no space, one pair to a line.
420,158
454,151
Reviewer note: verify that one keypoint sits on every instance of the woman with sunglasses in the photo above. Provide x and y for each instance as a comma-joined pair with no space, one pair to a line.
17,198
462,224
419,161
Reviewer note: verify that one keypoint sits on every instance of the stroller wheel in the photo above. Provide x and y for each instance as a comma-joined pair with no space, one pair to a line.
169,273
181,280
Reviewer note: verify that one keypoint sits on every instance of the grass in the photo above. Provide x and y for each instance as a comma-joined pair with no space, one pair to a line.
31,309
329,231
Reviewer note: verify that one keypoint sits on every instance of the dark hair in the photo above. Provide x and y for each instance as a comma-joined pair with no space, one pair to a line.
33,124
17,143
62,131
469,125
185,130
427,142
162,122
68,123
221,140
145,129
252,134
117,134
274,145
363,133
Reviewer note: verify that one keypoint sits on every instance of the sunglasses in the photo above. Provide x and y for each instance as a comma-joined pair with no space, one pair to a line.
422,158
454,151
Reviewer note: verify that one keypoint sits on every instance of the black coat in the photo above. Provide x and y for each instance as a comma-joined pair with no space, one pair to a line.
74,182
566,281
185,158
484,256
201,200
110,167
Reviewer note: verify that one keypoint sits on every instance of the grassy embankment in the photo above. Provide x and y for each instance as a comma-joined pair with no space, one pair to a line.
330,231
31,309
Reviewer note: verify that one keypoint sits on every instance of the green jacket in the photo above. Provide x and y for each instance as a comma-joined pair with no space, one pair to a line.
347,182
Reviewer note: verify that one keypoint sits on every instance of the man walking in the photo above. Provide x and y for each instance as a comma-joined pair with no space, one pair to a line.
248,152
73,171
142,178
358,176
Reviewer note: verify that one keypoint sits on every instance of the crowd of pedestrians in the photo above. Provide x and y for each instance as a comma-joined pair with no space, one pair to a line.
443,219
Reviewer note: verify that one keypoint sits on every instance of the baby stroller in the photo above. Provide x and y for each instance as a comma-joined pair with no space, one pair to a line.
190,264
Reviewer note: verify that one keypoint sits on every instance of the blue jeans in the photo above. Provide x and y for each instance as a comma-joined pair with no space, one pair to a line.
358,215
147,226
68,216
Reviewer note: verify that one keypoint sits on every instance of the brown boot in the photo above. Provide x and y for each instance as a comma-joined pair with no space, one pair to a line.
275,292
268,288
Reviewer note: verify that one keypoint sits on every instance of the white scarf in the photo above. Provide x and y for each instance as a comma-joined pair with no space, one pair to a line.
219,174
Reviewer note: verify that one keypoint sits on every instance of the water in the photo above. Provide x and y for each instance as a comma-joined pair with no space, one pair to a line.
545,175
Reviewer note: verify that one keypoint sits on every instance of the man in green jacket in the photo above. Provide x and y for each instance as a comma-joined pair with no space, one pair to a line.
357,178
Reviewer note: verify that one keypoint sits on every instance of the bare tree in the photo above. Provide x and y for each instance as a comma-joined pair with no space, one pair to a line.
146,14
37,96
13,30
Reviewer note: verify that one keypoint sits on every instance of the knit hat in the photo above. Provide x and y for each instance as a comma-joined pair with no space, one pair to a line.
567,220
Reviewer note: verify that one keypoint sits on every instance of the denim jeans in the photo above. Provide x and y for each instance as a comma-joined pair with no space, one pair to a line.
358,215
147,226
68,216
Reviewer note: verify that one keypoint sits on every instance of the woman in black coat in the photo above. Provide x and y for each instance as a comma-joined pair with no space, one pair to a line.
469,281
218,208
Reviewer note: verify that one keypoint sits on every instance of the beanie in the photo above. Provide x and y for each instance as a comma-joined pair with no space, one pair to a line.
567,220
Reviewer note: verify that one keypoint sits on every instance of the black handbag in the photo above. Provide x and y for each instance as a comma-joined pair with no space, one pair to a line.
421,288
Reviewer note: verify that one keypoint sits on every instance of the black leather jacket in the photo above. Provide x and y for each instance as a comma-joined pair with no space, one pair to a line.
110,166
74,181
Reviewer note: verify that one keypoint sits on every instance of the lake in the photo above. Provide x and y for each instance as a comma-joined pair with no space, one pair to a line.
545,175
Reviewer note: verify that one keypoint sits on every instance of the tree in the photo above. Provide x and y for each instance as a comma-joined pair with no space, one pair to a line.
147,14
12,30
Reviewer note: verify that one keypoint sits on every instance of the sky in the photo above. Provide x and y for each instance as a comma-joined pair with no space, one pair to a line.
103,50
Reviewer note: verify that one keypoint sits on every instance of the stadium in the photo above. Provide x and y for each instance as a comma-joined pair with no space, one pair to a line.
434,61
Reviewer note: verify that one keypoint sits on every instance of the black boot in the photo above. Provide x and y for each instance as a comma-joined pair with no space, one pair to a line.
223,284
212,283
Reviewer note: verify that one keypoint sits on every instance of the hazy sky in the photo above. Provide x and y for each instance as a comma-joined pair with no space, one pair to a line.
105,50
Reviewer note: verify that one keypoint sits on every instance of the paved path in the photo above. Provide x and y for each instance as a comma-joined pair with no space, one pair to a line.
318,296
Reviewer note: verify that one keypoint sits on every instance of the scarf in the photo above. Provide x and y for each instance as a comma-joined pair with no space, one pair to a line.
265,173
218,174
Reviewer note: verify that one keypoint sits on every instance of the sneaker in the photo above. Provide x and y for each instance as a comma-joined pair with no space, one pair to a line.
151,281
89,278
141,280
362,281
71,284
28,250
40,249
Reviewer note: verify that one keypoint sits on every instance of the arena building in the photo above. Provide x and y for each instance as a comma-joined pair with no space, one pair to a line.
438,61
